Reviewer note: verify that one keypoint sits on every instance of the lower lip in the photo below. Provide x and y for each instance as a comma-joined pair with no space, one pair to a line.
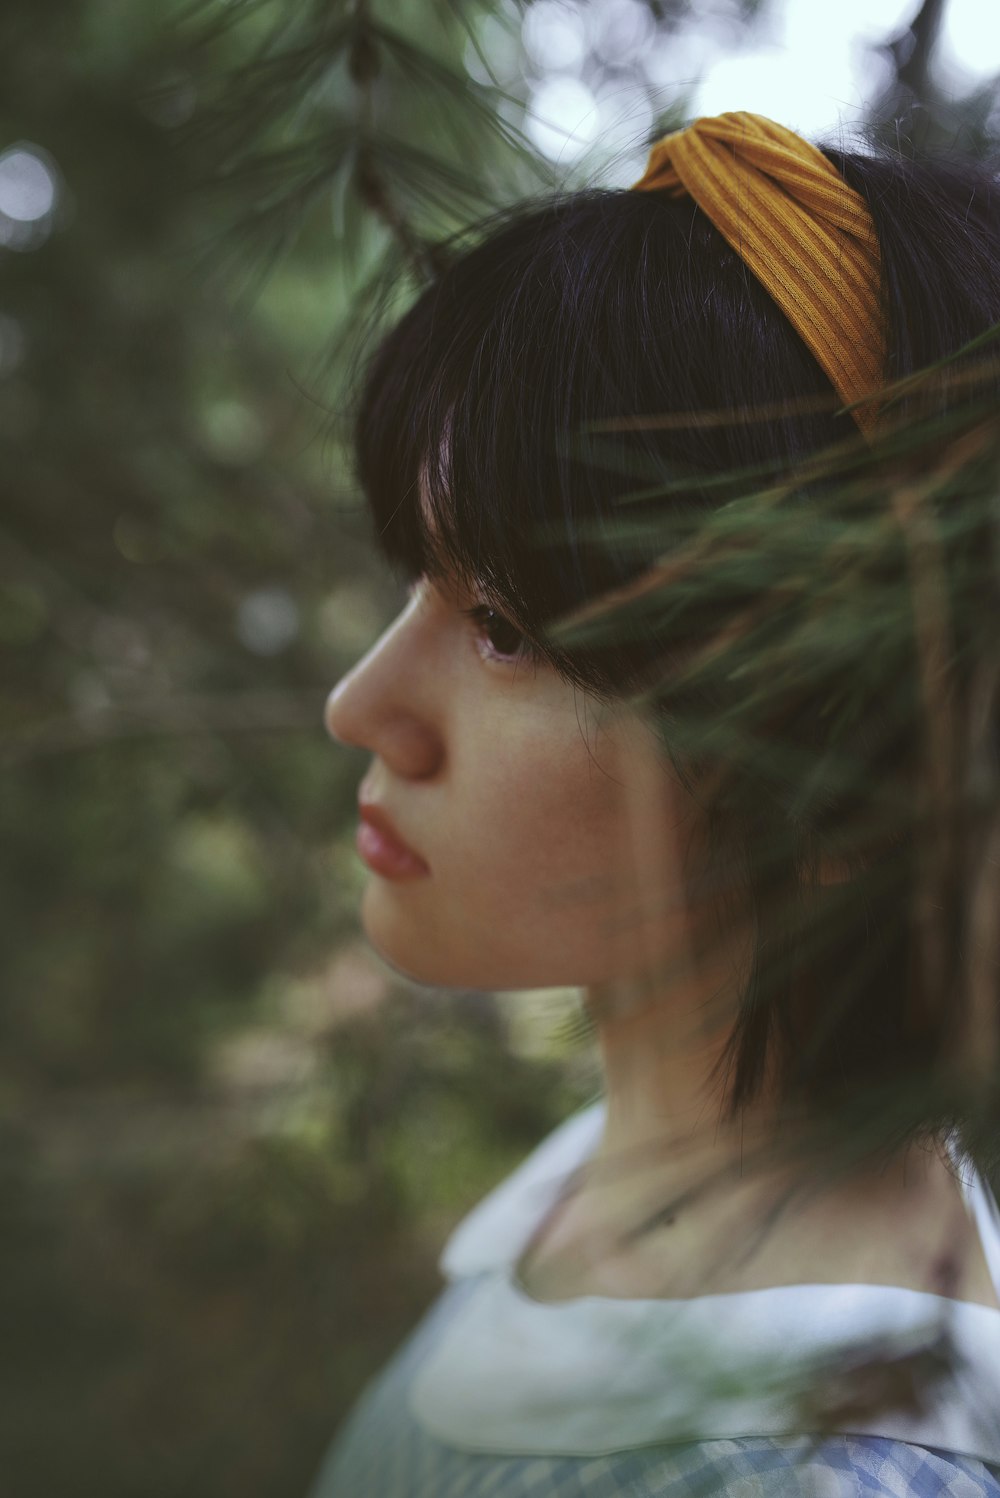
385,856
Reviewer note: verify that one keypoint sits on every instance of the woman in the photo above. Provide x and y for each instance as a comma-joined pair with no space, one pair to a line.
635,731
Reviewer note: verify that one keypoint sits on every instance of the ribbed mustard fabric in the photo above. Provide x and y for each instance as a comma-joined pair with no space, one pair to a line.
807,237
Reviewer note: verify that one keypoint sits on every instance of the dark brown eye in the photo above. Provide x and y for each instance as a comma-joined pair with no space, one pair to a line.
502,639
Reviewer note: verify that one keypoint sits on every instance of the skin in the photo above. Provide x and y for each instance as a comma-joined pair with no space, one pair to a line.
563,852
554,831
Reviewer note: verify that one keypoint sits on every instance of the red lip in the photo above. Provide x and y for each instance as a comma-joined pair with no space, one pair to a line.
382,848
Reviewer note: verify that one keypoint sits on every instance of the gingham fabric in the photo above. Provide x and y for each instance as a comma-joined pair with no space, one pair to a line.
383,1452
496,1396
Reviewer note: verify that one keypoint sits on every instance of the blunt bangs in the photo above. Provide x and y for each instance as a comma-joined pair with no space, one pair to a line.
474,435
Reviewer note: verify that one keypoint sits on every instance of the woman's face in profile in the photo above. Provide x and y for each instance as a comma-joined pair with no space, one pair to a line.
548,830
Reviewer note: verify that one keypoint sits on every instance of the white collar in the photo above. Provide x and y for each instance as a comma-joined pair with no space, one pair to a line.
581,1377
495,1232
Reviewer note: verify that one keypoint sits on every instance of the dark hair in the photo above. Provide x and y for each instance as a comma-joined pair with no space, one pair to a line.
484,406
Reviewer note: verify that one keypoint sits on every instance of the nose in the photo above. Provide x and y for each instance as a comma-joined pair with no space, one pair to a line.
385,704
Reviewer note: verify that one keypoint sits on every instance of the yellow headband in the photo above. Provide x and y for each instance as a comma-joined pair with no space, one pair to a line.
806,236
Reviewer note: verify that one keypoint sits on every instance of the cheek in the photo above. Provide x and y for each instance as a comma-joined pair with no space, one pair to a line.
563,868
548,818
606,875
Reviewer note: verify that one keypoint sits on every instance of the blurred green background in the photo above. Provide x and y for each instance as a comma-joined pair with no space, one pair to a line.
232,1141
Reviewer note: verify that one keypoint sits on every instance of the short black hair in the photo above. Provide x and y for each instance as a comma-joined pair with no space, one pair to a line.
482,411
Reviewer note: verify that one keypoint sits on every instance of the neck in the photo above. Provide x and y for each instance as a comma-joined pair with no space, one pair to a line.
664,1125
666,1139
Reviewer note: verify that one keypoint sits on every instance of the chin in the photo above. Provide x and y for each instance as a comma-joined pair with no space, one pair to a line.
402,940
413,944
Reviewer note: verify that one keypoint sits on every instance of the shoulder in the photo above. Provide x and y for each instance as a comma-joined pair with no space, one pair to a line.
839,1466
406,1463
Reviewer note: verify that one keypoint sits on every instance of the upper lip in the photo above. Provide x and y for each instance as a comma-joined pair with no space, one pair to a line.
375,816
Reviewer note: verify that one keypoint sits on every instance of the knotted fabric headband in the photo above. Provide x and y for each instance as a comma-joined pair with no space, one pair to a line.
807,237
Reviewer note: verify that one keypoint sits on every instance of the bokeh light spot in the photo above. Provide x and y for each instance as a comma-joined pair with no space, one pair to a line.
773,82
970,36
267,621
27,186
554,36
29,193
563,118
620,29
351,618
232,430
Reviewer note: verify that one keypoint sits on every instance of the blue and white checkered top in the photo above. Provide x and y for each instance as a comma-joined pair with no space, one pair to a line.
497,1395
